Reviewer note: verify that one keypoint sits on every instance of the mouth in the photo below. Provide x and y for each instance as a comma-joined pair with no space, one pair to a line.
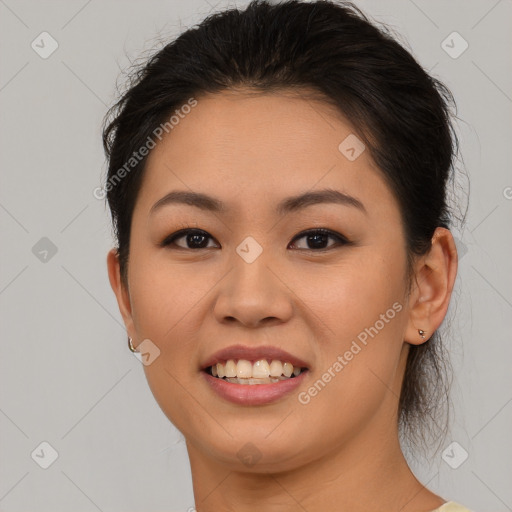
253,366
255,372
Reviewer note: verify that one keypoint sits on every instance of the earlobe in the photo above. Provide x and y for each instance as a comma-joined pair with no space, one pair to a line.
434,279
120,291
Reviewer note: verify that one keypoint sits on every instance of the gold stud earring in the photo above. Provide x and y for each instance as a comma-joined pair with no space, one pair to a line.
421,333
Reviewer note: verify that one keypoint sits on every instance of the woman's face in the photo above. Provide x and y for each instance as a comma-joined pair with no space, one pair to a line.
339,306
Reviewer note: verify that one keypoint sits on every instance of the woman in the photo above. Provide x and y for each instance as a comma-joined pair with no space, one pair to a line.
277,182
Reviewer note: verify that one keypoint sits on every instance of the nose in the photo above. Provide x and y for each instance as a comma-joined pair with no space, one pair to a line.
253,294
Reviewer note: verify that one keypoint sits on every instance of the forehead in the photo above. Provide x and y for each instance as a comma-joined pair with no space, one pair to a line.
266,127
253,147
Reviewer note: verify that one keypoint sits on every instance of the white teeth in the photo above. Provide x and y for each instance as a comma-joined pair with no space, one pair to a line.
287,369
230,368
244,369
276,368
260,369
261,372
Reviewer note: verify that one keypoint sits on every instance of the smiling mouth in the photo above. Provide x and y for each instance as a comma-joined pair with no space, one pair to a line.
262,371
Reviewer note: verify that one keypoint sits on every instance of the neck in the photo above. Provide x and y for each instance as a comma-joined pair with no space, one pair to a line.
367,474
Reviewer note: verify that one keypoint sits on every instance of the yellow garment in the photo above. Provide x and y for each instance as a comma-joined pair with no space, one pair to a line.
451,506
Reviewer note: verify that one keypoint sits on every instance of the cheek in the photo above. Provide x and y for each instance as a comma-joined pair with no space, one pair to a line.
362,303
164,296
351,295
165,302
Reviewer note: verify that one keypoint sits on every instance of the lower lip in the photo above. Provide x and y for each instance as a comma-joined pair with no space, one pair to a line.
254,394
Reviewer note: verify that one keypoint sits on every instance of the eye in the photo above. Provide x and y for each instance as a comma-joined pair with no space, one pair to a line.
195,237
198,239
319,237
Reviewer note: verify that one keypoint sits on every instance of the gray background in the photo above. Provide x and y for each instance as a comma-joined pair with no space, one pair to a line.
66,374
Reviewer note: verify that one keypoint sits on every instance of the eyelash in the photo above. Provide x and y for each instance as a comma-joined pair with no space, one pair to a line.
341,240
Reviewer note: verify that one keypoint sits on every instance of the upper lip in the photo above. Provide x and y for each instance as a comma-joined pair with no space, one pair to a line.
252,354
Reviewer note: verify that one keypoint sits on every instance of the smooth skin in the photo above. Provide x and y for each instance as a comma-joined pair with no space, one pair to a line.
340,451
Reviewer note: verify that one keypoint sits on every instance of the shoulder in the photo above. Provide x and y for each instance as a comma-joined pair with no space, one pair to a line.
451,506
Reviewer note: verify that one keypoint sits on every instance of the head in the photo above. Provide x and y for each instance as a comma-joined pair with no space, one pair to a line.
252,108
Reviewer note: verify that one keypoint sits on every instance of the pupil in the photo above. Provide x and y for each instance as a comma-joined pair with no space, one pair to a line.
194,238
322,237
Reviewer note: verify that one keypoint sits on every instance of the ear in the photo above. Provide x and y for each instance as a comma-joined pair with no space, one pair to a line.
433,283
121,292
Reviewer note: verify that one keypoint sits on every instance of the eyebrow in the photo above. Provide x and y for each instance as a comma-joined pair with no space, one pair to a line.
290,204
